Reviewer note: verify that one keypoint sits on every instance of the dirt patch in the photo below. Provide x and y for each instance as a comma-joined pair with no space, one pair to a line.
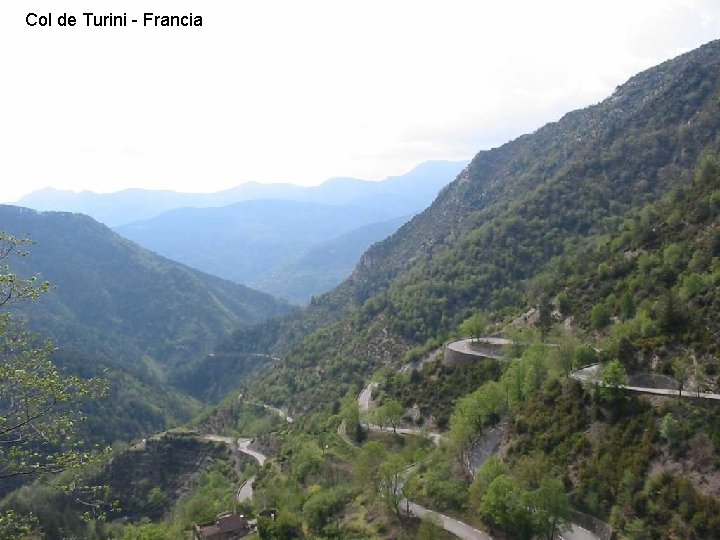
596,431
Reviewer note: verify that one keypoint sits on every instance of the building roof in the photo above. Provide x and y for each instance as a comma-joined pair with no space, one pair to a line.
224,524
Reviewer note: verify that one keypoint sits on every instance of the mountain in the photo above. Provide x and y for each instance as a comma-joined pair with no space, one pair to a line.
398,195
502,235
325,265
608,221
241,242
114,299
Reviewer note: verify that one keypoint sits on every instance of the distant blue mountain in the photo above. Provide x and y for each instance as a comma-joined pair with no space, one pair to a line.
398,195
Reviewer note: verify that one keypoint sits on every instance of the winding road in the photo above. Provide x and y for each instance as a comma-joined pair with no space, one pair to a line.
245,491
452,525
482,449
472,347
591,374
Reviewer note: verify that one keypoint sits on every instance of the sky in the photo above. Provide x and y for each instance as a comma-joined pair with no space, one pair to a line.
301,91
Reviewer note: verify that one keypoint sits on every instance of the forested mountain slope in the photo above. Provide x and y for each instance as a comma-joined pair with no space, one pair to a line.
325,265
504,222
114,298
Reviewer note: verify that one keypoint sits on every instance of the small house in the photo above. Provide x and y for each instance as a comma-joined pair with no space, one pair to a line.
224,527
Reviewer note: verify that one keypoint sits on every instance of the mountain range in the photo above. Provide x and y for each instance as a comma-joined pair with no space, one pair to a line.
271,237
396,195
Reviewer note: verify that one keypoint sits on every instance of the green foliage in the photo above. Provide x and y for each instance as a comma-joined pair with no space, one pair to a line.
392,411
40,406
489,471
670,507
612,378
670,429
474,326
430,527
506,504
350,413
600,316
436,386
323,505
285,527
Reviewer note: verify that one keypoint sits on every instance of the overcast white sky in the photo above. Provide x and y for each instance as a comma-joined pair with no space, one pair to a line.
300,91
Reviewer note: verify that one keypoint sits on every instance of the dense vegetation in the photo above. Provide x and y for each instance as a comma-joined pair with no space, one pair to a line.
118,311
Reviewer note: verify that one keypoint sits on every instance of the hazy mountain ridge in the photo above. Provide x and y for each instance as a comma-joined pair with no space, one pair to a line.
243,241
323,266
130,205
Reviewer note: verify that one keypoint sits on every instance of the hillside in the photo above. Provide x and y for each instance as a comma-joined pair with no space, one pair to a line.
492,238
397,195
324,266
243,241
607,221
113,298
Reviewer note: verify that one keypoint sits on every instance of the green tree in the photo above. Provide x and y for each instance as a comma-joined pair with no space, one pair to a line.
681,367
489,471
39,406
350,413
627,305
670,429
599,316
284,527
613,378
394,412
506,504
323,505
391,482
430,527
551,508
474,326
367,466
565,352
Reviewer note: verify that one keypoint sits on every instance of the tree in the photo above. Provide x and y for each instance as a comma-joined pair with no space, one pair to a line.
612,378
430,527
323,505
671,429
599,316
470,414
367,466
565,351
39,405
489,471
505,503
551,516
393,411
681,367
350,413
391,482
284,527
474,326
627,305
